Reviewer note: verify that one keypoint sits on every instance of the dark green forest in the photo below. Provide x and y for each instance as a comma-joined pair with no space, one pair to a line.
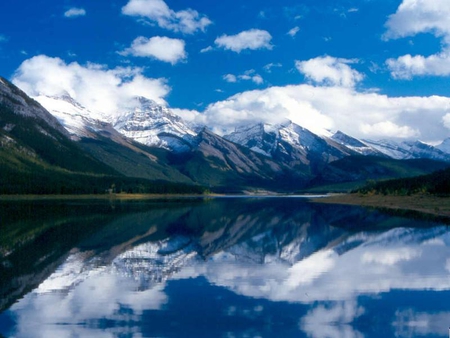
437,183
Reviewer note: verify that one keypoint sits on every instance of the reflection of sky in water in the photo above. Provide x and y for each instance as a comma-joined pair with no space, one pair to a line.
362,284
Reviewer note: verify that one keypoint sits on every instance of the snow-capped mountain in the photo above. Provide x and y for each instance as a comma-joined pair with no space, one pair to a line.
290,144
79,121
444,146
145,122
408,150
154,125
355,144
21,104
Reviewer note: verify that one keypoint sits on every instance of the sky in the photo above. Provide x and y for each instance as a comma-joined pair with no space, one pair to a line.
374,69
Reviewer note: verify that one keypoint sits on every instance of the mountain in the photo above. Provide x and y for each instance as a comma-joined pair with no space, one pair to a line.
32,138
220,162
436,183
72,149
149,141
444,146
355,171
408,150
291,145
355,144
154,125
38,155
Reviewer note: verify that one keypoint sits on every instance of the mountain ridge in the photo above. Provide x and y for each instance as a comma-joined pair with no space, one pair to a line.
147,141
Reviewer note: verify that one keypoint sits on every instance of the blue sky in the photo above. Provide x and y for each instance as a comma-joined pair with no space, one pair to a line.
372,68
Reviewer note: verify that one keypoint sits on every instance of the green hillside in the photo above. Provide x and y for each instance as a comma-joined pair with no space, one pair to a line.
352,172
437,183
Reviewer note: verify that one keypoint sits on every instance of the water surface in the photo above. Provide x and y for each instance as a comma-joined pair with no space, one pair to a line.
222,267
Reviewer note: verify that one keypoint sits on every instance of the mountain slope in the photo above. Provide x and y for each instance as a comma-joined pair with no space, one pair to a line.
360,169
291,145
28,129
215,161
408,150
38,156
437,183
355,144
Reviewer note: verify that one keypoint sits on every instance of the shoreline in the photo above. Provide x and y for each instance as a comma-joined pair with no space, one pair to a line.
118,197
427,204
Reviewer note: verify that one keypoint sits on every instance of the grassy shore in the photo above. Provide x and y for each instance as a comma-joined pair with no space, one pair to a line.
429,204
121,196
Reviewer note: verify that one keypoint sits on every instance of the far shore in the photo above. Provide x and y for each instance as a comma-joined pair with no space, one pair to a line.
119,196
423,203
429,204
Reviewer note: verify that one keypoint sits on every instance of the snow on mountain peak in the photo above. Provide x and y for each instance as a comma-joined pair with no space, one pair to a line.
76,119
154,125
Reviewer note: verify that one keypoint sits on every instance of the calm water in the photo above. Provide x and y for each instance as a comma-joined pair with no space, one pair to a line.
228,267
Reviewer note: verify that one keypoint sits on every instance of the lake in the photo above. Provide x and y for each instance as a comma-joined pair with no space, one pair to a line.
220,267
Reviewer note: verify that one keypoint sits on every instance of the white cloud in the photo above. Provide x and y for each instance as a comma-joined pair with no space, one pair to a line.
74,12
84,303
257,79
96,87
207,49
407,66
268,67
420,324
446,120
389,129
158,47
230,78
3,38
390,256
365,115
187,21
252,39
330,70
249,75
414,17
321,321
419,16
293,32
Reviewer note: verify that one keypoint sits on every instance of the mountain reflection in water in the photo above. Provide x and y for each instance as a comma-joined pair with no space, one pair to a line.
268,267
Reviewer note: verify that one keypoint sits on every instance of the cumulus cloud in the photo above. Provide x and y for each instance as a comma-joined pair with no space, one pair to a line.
252,39
74,12
320,108
187,21
158,47
420,16
96,87
408,66
330,70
